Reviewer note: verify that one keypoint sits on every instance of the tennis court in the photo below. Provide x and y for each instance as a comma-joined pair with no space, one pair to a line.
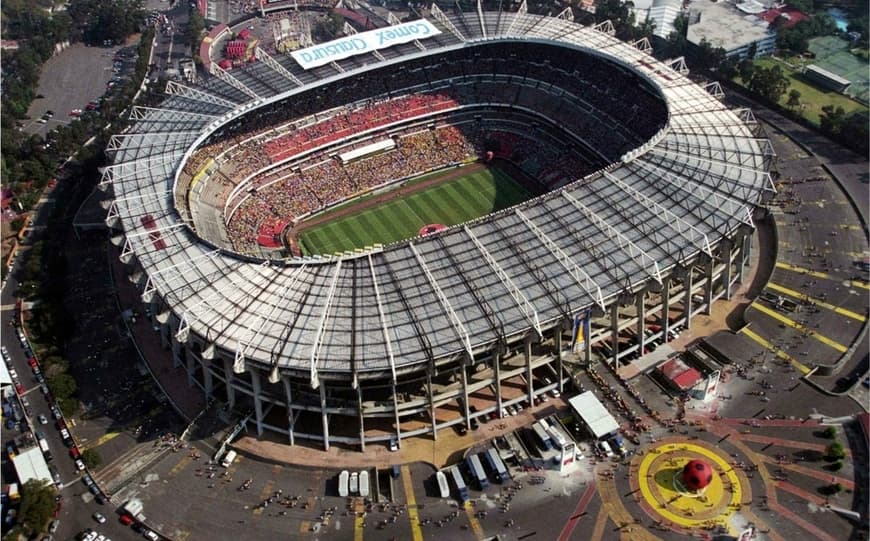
832,54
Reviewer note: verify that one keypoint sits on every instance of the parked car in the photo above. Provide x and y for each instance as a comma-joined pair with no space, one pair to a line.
99,517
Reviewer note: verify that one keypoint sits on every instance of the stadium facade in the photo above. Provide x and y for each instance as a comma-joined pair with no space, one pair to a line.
357,348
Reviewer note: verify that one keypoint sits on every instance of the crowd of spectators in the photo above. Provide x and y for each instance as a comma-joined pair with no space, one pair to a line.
604,109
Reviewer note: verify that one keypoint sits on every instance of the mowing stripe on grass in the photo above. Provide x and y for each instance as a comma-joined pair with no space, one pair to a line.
456,201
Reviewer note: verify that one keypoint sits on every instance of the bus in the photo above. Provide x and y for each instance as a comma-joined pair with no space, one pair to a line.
543,437
43,445
495,462
461,489
442,484
343,479
477,472
364,483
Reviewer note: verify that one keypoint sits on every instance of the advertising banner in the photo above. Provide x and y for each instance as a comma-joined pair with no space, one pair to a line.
364,42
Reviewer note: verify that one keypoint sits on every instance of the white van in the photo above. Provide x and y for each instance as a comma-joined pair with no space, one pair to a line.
354,483
229,458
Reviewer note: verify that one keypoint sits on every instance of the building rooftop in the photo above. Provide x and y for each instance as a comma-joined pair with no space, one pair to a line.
722,25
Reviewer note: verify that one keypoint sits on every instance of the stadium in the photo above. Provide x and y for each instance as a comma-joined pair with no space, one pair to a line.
615,199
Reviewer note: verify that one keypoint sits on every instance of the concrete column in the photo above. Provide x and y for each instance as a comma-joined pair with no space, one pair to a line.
496,368
640,305
165,341
191,368
396,412
465,411
745,247
728,258
208,380
666,307
587,354
324,416
431,406
557,339
362,427
258,404
291,418
527,353
687,298
228,377
708,286
176,353
614,333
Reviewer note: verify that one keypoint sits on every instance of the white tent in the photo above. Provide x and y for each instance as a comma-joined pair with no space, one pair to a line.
31,465
593,414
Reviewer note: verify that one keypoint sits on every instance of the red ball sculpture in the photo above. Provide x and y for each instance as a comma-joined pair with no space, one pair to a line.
697,474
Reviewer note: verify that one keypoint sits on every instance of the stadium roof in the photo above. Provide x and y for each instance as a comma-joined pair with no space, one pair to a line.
451,295
31,465
594,415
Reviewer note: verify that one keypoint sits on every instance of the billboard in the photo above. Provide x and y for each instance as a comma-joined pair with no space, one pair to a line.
364,42
580,332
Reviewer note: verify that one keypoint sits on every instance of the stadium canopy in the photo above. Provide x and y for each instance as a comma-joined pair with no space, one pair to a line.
593,414
31,465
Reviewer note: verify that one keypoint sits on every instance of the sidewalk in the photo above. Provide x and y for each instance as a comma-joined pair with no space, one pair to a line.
447,449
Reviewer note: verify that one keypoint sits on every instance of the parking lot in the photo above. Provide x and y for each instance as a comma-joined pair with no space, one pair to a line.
64,87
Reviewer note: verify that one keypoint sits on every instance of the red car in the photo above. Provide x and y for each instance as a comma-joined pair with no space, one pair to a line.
126,520
74,452
19,388
57,509
32,362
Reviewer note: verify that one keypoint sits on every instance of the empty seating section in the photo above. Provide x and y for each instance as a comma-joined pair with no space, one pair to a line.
276,164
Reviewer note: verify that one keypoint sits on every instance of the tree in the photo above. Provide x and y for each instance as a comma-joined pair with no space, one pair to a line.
769,83
794,101
835,451
91,458
62,386
854,131
831,119
831,431
746,69
195,28
37,505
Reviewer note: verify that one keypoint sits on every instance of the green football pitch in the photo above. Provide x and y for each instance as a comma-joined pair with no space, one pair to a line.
450,203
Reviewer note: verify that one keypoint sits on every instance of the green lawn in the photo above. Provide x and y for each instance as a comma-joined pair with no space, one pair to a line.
450,203
812,98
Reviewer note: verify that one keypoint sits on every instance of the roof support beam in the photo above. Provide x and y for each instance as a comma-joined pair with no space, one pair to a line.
140,112
267,59
480,19
387,342
321,326
178,89
441,18
226,77
522,10
261,322
645,261
686,230
458,326
522,302
578,274
729,204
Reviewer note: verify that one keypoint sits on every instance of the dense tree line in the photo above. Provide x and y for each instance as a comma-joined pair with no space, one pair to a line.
28,162
796,39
